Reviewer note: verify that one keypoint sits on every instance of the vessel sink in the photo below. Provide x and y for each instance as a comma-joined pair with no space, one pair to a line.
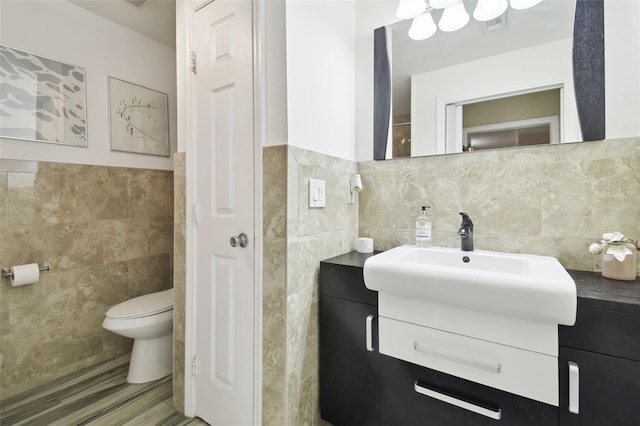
522,285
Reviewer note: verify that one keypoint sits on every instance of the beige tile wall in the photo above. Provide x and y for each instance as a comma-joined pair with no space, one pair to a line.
106,233
543,200
179,276
312,235
296,239
274,285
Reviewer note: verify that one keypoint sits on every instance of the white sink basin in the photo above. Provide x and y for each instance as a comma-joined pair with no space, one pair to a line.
526,286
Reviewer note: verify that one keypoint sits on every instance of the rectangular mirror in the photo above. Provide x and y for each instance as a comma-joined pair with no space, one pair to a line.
533,76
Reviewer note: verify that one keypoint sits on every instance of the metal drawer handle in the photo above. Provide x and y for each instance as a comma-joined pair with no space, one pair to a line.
574,388
369,333
494,414
494,368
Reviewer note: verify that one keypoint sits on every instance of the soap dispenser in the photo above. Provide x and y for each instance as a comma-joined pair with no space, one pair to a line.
423,229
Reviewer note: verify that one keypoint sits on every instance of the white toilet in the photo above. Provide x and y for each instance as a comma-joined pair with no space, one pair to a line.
149,320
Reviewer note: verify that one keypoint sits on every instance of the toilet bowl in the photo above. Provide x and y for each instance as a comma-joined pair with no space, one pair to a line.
148,320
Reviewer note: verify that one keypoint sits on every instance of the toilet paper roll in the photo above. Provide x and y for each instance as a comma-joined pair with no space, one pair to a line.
25,274
364,245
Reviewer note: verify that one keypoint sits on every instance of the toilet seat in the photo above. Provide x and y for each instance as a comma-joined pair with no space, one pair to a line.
143,306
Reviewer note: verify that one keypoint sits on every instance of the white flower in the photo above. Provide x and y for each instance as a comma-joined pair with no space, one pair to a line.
619,252
612,237
616,245
595,248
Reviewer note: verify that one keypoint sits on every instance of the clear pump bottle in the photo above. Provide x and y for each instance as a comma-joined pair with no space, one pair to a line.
423,229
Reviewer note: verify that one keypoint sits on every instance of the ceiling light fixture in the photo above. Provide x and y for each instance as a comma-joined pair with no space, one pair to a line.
487,10
422,27
523,4
409,9
454,15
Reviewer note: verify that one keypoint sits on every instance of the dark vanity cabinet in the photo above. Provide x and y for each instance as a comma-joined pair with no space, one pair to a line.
349,388
599,363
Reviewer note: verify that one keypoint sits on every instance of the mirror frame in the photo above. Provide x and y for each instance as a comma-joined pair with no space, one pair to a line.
588,76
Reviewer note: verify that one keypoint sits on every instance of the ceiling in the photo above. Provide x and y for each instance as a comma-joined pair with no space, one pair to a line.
156,19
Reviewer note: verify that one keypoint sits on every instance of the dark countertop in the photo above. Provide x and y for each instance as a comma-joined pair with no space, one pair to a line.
349,260
593,289
598,292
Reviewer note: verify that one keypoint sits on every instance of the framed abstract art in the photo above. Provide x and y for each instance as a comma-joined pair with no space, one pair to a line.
41,99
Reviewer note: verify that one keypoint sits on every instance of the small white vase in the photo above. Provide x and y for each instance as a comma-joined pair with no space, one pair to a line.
617,270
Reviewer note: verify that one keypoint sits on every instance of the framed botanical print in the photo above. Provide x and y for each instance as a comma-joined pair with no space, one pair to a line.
139,119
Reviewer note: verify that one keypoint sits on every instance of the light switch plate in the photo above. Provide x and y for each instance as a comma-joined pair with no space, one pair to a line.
316,193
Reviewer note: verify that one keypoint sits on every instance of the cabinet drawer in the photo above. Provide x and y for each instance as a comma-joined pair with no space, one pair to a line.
402,405
603,331
529,374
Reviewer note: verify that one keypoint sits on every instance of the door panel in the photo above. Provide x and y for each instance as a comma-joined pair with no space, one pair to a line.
608,389
224,161
223,302
349,393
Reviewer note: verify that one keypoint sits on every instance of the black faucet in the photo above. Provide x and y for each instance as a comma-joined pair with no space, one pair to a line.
466,232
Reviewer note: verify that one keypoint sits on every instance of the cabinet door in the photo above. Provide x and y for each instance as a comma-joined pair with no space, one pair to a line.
451,401
348,371
608,389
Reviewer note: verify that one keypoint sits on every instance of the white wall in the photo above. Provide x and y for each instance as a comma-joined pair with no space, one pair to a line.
274,67
321,76
62,31
622,68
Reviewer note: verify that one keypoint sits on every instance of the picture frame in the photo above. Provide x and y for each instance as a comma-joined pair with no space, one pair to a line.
42,99
138,119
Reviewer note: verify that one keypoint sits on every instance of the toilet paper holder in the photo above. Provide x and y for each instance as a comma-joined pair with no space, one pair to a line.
6,272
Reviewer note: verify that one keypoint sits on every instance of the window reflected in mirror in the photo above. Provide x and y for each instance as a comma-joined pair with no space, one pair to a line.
520,120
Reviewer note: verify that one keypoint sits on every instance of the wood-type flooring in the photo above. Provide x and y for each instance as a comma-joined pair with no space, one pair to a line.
97,395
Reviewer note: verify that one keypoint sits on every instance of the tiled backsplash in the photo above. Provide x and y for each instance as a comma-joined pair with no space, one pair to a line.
106,233
551,200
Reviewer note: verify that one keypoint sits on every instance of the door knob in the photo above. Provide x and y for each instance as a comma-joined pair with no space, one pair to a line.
241,240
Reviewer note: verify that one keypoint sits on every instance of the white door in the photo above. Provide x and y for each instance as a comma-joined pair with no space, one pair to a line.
224,161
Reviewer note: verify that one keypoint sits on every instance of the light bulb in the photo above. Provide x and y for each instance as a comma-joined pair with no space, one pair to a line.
409,9
441,4
454,17
422,27
523,4
487,10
